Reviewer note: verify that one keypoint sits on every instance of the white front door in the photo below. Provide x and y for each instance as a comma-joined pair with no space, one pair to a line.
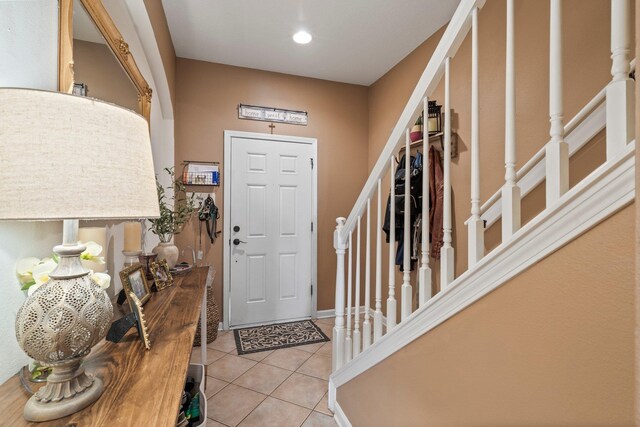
270,224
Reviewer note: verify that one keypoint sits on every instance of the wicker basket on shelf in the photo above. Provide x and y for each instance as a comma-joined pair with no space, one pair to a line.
213,320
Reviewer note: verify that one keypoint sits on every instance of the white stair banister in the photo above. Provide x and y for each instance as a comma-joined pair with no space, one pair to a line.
338,330
557,150
348,343
475,224
357,338
510,190
620,91
377,315
366,324
446,253
406,304
391,299
424,275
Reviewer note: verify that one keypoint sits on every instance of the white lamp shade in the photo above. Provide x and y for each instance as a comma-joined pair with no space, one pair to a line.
72,157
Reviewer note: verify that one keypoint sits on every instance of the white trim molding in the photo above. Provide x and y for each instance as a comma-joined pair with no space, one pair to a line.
340,417
338,414
324,314
604,192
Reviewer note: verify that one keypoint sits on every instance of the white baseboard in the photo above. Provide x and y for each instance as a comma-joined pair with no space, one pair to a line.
323,314
340,417
338,414
604,192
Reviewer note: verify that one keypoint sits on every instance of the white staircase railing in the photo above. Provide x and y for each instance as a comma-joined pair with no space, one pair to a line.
350,340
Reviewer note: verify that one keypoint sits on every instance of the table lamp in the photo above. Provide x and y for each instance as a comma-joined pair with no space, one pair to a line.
65,157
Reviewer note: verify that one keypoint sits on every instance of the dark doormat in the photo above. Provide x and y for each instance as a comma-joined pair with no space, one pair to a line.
280,335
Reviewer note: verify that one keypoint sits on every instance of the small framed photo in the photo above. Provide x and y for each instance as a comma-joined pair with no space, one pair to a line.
161,274
134,280
141,323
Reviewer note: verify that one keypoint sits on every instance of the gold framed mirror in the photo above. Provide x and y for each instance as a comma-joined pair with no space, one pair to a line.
111,37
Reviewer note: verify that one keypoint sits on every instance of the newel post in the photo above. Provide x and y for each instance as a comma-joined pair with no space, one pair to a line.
340,245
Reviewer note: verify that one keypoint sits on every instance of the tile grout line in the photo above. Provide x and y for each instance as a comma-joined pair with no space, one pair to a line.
312,410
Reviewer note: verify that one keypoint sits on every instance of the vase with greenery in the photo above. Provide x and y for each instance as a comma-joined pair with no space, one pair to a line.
175,211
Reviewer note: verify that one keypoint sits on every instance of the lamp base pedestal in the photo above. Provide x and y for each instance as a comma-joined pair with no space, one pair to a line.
131,257
69,389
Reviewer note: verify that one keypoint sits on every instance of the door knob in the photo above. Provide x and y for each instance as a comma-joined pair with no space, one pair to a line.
237,242
236,228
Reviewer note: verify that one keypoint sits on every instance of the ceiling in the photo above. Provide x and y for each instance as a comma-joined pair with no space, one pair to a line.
83,26
354,41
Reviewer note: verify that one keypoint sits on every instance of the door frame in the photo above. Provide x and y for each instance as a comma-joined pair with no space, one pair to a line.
226,178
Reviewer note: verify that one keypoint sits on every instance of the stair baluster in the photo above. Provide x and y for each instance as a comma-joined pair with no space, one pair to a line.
348,343
377,315
510,190
366,324
447,252
391,300
424,275
357,338
557,150
475,224
406,305
620,91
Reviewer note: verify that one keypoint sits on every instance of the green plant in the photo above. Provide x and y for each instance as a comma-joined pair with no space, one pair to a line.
175,211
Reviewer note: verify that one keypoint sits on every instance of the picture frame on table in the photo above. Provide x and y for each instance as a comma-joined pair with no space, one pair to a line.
161,274
134,280
141,323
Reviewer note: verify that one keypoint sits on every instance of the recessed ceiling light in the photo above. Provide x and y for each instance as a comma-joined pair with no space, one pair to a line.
302,37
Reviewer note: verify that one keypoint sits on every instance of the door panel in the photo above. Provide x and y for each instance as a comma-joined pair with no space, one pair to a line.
272,203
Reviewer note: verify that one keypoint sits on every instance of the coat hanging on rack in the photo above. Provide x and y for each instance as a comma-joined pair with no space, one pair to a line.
436,193
415,191
436,199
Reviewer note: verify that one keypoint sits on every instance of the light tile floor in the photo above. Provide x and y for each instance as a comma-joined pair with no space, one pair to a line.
281,388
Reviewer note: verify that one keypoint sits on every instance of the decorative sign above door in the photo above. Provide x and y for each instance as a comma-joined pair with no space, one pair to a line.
267,114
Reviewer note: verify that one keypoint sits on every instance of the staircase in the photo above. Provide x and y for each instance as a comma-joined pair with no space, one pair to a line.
568,213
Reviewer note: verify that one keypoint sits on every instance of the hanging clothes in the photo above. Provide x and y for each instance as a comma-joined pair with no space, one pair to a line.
436,198
415,205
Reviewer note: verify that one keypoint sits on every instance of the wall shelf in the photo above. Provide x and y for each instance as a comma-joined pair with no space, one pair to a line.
200,174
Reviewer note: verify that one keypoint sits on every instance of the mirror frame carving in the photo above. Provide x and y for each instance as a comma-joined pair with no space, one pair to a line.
99,15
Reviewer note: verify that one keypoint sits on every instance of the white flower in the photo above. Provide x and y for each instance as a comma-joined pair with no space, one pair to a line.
33,288
102,279
92,252
41,272
24,269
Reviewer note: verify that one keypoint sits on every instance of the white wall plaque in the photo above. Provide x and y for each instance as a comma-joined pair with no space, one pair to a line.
267,114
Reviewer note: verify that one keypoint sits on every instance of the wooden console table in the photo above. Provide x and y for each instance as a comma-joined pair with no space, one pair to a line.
142,388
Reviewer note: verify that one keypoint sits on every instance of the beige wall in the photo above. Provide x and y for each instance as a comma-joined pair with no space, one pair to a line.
95,65
207,97
551,347
165,44
586,70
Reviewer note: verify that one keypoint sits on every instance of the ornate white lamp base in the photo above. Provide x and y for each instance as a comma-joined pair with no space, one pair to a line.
69,389
57,325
